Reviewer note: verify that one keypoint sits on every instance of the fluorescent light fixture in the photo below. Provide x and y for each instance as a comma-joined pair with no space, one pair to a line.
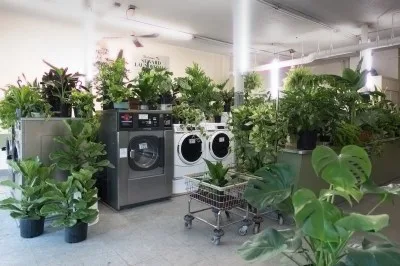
135,25
275,79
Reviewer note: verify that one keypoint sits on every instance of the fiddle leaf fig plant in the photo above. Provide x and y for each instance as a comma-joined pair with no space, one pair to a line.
323,231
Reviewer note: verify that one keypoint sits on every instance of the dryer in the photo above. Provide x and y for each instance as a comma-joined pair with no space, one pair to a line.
219,143
189,151
139,145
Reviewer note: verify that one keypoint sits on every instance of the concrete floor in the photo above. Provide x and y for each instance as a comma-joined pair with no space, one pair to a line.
153,234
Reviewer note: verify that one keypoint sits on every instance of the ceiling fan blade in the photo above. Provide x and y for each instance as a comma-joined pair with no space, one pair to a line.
113,37
153,35
137,43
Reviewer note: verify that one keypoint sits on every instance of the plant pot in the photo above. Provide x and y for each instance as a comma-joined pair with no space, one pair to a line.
37,115
227,108
326,140
134,104
121,105
307,140
217,118
245,127
366,136
65,110
76,233
30,228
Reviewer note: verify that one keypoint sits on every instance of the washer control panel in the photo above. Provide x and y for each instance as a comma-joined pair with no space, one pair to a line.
128,121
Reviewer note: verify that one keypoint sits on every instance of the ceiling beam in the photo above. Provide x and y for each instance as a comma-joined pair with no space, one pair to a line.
305,17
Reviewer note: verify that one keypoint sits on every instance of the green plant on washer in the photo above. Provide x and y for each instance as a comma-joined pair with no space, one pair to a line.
72,201
25,99
323,231
83,102
111,81
33,187
80,150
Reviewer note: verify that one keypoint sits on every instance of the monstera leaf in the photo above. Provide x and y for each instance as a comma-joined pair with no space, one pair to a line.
270,243
363,223
370,254
344,171
317,218
273,186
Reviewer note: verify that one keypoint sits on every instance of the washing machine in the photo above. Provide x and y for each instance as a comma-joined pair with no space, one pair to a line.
219,143
189,151
139,143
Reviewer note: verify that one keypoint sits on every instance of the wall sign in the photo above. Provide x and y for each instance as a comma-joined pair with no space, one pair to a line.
140,61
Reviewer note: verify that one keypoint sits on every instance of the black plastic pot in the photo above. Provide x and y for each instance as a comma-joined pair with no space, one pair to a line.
217,118
227,108
76,233
307,140
325,139
30,228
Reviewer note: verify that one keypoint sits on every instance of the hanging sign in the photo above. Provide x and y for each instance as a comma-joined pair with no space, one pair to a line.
140,61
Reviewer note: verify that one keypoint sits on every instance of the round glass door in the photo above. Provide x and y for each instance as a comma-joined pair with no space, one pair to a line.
144,153
219,147
191,148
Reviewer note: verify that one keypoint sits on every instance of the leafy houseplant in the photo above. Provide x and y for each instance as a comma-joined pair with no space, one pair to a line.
112,84
83,103
25,100
151,84
57,87
26,208
323,231
252,82
217,173
71,203
227,97
80,148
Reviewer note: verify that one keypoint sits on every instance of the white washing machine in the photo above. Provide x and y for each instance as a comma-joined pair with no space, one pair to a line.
189,151
219,143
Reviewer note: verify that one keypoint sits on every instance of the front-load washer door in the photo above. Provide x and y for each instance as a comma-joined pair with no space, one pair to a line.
219,145
145,153
190,148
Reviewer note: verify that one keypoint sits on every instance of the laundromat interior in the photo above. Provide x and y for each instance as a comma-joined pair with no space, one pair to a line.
214,132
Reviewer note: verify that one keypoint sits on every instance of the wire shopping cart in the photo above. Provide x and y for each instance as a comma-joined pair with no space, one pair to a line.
218,199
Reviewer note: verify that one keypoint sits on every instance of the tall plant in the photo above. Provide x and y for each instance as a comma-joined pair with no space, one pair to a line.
252,82
80,150
323,231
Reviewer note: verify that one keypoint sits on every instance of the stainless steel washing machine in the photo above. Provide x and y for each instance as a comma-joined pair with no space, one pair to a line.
140,146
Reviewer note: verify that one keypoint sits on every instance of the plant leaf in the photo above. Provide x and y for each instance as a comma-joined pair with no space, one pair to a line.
364,223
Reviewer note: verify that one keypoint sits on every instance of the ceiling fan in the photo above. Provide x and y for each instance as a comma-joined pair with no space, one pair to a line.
136,38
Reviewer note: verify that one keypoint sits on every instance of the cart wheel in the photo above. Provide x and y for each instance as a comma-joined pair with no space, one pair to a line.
188,225
243,230
216,240
280,220
256,229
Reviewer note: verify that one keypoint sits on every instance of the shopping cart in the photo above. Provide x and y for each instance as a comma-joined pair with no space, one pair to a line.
218,199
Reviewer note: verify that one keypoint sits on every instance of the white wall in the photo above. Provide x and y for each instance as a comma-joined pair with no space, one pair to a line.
25,41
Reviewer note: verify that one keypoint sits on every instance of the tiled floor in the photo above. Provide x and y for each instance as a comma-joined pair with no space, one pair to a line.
148,235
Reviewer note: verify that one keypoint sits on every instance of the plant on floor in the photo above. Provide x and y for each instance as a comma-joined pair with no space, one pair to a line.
26,207
57,87
323,231
217,174
71,203
80,149
298,78
83,103
111,80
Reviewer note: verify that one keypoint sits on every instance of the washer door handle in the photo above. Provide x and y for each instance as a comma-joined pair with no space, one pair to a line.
177,149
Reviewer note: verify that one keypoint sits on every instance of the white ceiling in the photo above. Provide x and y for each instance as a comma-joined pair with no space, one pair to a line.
271,29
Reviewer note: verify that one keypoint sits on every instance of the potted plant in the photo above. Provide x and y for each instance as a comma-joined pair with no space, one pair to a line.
40,109
57,87
227,97
71,204
80,149
323,231
26,207
151,84
112,84
83,103
252,82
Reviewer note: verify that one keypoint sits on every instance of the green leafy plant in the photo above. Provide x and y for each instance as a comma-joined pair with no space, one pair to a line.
34,178
252,82
151,83
187,114
71,201
80,150
25,99
83,102
323,231
111,81
217,173
57,87
346,134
